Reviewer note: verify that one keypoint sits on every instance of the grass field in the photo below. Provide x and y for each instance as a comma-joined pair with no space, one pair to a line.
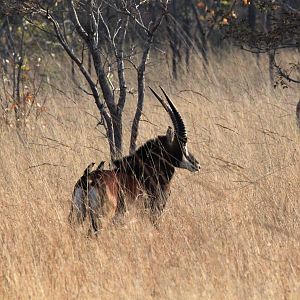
231,231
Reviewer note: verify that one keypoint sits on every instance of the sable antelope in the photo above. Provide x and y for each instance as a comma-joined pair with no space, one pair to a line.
149,170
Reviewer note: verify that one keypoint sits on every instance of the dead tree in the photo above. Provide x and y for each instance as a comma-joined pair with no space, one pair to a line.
14,53
105,39
271,54
201,41
174,39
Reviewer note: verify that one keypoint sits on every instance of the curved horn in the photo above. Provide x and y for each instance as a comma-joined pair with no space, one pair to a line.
168,109
181,127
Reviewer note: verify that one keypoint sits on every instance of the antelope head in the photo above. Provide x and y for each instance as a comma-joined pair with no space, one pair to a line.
179,156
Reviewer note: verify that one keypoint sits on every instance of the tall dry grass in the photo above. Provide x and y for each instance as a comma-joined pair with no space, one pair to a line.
229,232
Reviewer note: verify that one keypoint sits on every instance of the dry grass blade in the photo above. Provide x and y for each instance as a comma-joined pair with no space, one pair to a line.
229,232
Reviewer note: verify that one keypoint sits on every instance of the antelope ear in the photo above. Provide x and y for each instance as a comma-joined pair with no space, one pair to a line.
170,135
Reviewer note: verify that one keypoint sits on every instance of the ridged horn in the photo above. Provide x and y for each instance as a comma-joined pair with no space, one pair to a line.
181,127
168,109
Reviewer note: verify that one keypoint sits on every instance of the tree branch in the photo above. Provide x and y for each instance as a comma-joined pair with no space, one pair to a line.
120,64
103,112
284,74
75,20
141,81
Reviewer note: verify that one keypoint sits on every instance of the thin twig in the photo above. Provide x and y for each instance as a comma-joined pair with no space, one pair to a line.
46,164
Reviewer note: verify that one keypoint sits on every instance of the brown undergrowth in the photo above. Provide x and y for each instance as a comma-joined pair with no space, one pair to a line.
230,231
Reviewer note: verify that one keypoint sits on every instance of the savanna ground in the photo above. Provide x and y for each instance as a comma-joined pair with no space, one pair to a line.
230,231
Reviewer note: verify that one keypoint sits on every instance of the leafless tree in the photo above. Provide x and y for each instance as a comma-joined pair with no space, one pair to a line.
11,68
104,35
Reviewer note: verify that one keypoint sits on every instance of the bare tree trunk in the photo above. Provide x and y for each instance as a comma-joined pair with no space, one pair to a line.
119,53
298,114
271,53
141,92
93,24
19,107
252,15
4,51
173,49
18,58
173,39
187,30
89,62
271,56
201,42
107,122
141,81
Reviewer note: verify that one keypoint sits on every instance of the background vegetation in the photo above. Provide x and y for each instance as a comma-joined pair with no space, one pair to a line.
230,231
104,40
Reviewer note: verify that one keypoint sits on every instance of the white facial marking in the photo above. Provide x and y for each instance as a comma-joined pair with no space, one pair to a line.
186,164
185,150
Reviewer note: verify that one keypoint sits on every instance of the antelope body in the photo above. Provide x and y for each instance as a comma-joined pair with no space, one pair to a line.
149,170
